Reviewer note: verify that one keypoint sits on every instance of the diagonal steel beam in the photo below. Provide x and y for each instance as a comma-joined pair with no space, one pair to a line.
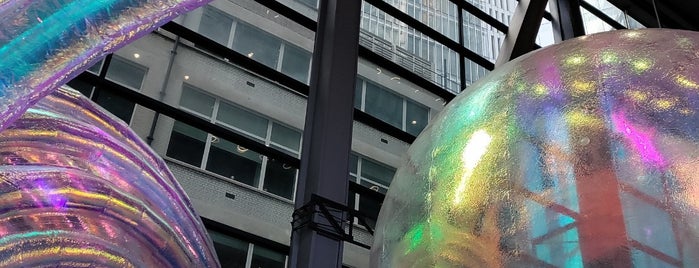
524,26
567,19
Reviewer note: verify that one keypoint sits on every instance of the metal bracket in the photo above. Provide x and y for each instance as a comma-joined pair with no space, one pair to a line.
330,219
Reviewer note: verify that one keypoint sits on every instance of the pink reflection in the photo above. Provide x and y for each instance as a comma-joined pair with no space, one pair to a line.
641,140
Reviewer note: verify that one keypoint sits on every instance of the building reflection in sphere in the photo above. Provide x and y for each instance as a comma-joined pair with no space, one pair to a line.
585,153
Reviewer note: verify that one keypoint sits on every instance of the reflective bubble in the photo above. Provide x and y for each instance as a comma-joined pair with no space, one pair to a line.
580,154
78,188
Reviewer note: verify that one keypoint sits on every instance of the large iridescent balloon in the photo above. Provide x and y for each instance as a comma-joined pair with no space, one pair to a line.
582,154
45,43
78,188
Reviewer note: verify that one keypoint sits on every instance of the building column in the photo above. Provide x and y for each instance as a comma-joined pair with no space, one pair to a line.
327,134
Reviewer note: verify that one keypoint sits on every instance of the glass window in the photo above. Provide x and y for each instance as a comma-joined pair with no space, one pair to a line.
187,144
354,159
279,179
231,252
257,44
310,3
296,63
215,25
234,161
384,105
116,104
126,73
286,137
263,257
416,117
358,93
197,101
95,68
241,119
377,172
84,87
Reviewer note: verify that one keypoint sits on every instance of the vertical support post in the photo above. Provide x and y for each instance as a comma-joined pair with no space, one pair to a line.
567,19
328,130
601,227
462,42
524,27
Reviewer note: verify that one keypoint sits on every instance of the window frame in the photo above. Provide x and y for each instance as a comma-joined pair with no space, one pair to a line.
267,141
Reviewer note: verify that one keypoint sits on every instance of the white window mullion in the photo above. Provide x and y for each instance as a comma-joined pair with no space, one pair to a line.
209,137
248,260
363,102
232,34
265,159
405,114
207,147
280,57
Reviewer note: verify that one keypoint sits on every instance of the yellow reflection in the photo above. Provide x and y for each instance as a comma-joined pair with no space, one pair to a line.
582,87
637,95
540,90
581,120
685,82
575,60
609,57
475,148
641,65
664,104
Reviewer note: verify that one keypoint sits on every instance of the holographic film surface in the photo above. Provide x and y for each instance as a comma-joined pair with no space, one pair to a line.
582,154
44,44
78,188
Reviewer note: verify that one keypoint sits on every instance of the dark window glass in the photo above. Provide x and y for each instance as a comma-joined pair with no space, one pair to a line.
358,94
215,25
231,252
116,104
126,73
266,258
310,3
195,100
84,88
296,62
279,179
247,121
384,105
370,206
234,161
96,67
187,144
354,159
257,44
286,137
376,172
415,118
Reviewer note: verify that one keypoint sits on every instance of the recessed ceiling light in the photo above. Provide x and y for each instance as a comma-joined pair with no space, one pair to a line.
136,55
251,54
414,122
186,77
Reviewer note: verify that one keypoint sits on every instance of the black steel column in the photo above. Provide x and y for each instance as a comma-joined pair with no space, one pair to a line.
524,27
567,19
328,130
462,42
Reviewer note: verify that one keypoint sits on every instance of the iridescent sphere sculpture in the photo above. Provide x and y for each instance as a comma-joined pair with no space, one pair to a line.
78,188
582,154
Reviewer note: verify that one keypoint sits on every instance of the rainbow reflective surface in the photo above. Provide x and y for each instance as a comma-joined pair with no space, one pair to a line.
582,154
78,188
44,44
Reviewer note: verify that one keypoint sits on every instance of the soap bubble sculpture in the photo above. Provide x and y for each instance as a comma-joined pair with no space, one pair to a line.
78,188
581,154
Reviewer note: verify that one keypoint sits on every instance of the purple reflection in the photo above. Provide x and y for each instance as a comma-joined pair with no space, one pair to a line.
641,140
